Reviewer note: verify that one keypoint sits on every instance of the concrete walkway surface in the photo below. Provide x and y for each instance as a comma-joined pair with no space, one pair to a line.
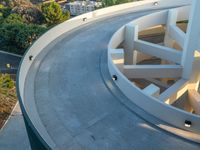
77,109
13,135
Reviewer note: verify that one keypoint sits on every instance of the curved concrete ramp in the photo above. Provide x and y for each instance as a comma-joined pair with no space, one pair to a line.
77,109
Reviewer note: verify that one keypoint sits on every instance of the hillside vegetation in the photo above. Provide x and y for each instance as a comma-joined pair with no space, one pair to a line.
22,22
8,97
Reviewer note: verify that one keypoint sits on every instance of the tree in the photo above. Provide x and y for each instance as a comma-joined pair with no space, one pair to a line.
4,11
106,3
122,1
4,2
31,14
14,3
13,19
28,35
18,29
53,13
6,81
19,36
1,13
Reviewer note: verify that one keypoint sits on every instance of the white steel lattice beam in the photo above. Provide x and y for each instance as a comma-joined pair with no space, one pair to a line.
159,51
152,71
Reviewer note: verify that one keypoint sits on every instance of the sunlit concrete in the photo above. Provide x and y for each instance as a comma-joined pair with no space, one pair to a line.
77,109
154,71
176,116
68,95
195,100
13,135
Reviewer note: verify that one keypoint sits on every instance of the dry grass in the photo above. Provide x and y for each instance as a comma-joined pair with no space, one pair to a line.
8,100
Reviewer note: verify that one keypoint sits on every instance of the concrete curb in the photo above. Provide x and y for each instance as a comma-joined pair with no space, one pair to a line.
16,55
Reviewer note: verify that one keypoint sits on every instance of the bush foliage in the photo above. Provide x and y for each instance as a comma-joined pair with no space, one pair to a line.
106,3
20,35
6,81
53,13
13,19
29,14
22,22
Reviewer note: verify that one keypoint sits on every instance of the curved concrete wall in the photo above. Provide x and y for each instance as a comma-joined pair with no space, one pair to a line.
163,111
37,52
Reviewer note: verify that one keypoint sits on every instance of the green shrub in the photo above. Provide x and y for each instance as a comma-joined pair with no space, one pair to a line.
4,11
13,19
31,14
106,3
14,3
6,81
20,36
53,13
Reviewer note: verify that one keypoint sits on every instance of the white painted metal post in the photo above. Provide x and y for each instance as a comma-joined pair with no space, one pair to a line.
171,21
131,34
168,41
192,39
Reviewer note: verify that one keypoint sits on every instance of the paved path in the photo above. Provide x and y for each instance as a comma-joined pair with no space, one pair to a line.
12,59
13,136
75,105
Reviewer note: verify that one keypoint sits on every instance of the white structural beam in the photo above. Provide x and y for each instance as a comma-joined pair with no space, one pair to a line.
117,53
170,95
118,58
195,76
171,21
177,34
192,40
159,51
179,88
131,34
141,57
152,71
158,82
152,90
194,98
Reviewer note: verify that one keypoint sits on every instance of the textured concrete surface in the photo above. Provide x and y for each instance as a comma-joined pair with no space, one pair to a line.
13,136
75,105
